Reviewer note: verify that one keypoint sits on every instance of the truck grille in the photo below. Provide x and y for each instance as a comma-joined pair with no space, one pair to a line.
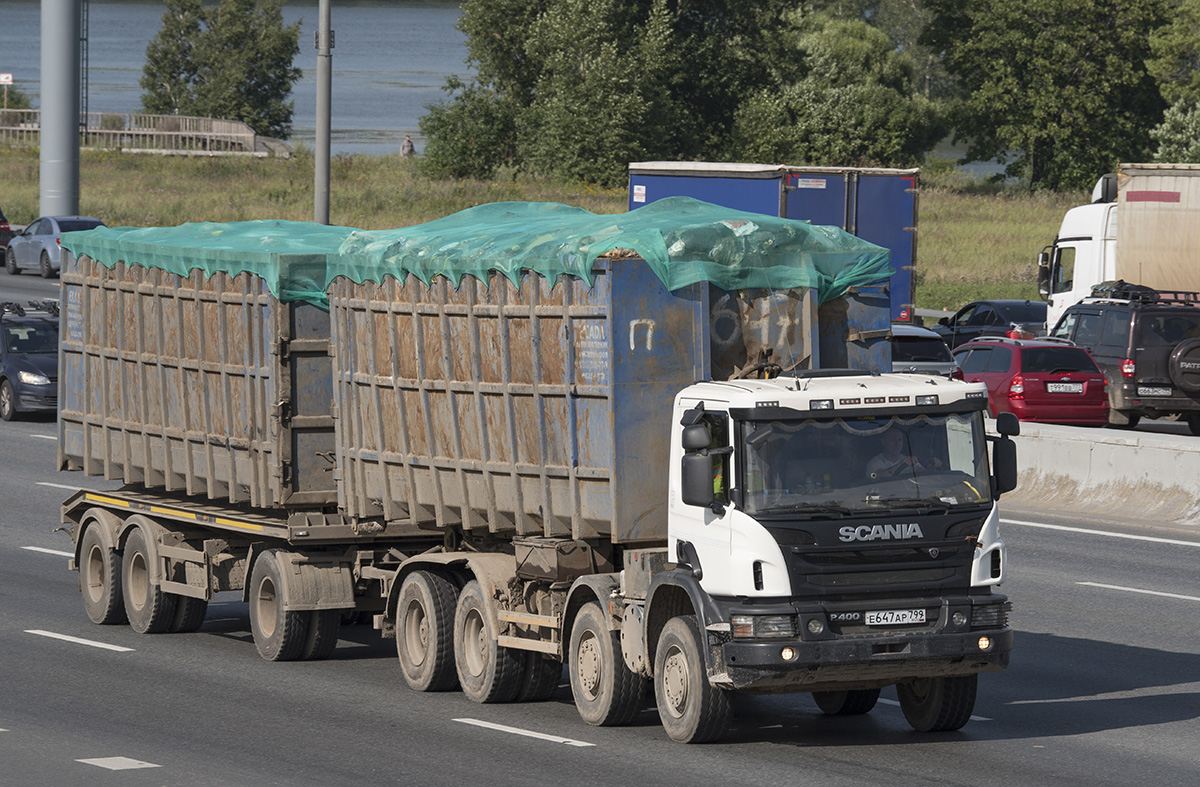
990,616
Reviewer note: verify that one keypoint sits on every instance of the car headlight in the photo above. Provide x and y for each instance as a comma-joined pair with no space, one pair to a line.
33,378
758,626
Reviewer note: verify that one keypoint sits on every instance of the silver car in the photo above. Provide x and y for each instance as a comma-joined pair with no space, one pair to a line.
916,349
39,245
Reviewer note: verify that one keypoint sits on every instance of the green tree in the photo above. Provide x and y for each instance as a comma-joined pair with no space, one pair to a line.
856,103
1176,49
232,61
1059,90
1178,136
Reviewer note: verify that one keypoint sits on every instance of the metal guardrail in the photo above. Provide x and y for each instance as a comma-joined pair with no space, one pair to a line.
126,131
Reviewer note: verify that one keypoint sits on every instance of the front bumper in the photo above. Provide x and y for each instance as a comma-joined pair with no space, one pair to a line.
35,398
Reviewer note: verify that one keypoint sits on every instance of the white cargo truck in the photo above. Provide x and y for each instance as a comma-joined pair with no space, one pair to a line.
1142,227
536,460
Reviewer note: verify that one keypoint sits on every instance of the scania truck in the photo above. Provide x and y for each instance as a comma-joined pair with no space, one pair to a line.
524,438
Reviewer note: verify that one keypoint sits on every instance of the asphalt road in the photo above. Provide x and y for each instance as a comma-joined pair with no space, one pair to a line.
26,286
1103,688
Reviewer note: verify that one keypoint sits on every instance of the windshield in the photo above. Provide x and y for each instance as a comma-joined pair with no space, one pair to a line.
840,467
31,338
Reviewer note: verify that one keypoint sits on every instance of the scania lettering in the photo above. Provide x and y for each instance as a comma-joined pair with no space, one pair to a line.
877,532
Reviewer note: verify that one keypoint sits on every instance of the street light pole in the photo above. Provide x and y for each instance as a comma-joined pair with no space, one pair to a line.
324,44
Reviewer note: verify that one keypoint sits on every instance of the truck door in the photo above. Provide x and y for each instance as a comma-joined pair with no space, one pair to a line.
707,528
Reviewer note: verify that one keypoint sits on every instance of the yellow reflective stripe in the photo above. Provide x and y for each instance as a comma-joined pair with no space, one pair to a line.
109,500
171,512
242,525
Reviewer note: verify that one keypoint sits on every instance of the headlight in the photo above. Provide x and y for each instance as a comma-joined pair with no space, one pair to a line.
763,626
33,378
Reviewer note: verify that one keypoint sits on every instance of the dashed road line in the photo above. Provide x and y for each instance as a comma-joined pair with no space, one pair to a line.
527,733
1139,590
1087,531
59,486
118,763
50,551
78,641
45,436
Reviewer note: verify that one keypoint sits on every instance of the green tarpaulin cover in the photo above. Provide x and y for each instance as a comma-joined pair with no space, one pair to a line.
683,240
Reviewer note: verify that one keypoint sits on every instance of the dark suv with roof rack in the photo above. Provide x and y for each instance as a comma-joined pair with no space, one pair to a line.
1147,342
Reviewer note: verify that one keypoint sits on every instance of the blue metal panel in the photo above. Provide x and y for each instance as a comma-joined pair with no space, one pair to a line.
821,198
854,331
756,194
886,215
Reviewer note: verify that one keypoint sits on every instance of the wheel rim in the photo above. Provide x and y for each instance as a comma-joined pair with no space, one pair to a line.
475,643
139,577
6,400
416,633
675,681
94,577
587,665
266,603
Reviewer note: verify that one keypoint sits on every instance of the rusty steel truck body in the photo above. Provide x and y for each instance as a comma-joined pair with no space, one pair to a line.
611,457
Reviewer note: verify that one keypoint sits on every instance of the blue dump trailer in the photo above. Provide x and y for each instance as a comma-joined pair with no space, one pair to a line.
878,205
527,439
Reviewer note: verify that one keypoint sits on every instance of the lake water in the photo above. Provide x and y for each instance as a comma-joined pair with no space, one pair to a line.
390,60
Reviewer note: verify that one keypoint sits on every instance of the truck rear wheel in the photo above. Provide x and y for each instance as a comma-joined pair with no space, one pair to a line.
150,610
938,704
846,703
540,679
324,625
486,671
691,709
279,634
100,578
189,614
425,632
606,693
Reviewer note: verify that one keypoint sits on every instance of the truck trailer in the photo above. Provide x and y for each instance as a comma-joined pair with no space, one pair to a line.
525,437
1141,227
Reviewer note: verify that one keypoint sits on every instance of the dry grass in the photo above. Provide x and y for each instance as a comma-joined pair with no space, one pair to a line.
975,241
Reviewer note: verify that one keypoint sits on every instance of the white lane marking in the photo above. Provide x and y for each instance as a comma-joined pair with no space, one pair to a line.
59,486
79,641
45,436
118,763
50,551
1086,531
893,702
527,733
1139,590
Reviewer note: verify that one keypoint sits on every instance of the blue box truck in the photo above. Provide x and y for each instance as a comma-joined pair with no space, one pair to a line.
877,205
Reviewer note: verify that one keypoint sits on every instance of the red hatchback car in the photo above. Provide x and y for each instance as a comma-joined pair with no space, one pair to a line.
1037,379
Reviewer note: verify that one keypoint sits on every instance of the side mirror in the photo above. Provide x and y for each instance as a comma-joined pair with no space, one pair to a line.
1004,465
1008,425
697,480
695,437
944,321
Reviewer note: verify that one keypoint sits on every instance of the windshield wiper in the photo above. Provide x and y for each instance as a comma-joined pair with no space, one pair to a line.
809,508
923,502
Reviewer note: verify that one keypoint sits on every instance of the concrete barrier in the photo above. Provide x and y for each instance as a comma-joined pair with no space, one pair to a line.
1108,472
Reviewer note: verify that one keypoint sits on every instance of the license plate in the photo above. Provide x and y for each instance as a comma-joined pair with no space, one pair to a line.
1150,390
895,617
1064,387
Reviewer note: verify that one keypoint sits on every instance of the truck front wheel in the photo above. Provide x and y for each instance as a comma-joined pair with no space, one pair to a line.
425,632
279,634
100,578
691,709
150,610
487,672
846,703
606,693
938,704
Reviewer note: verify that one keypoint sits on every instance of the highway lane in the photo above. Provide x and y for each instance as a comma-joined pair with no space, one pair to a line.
1103,687
26,286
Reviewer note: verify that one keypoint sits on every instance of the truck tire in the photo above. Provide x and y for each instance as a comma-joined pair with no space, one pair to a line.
1193,422
324,625
100,579
189,614
854,702
606,693
279,634
10,262
691,709
8,401
938,704
150,610
540,679
425,632
44,266
486,671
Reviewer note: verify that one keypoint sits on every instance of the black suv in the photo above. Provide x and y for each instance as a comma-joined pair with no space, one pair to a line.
1147,342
